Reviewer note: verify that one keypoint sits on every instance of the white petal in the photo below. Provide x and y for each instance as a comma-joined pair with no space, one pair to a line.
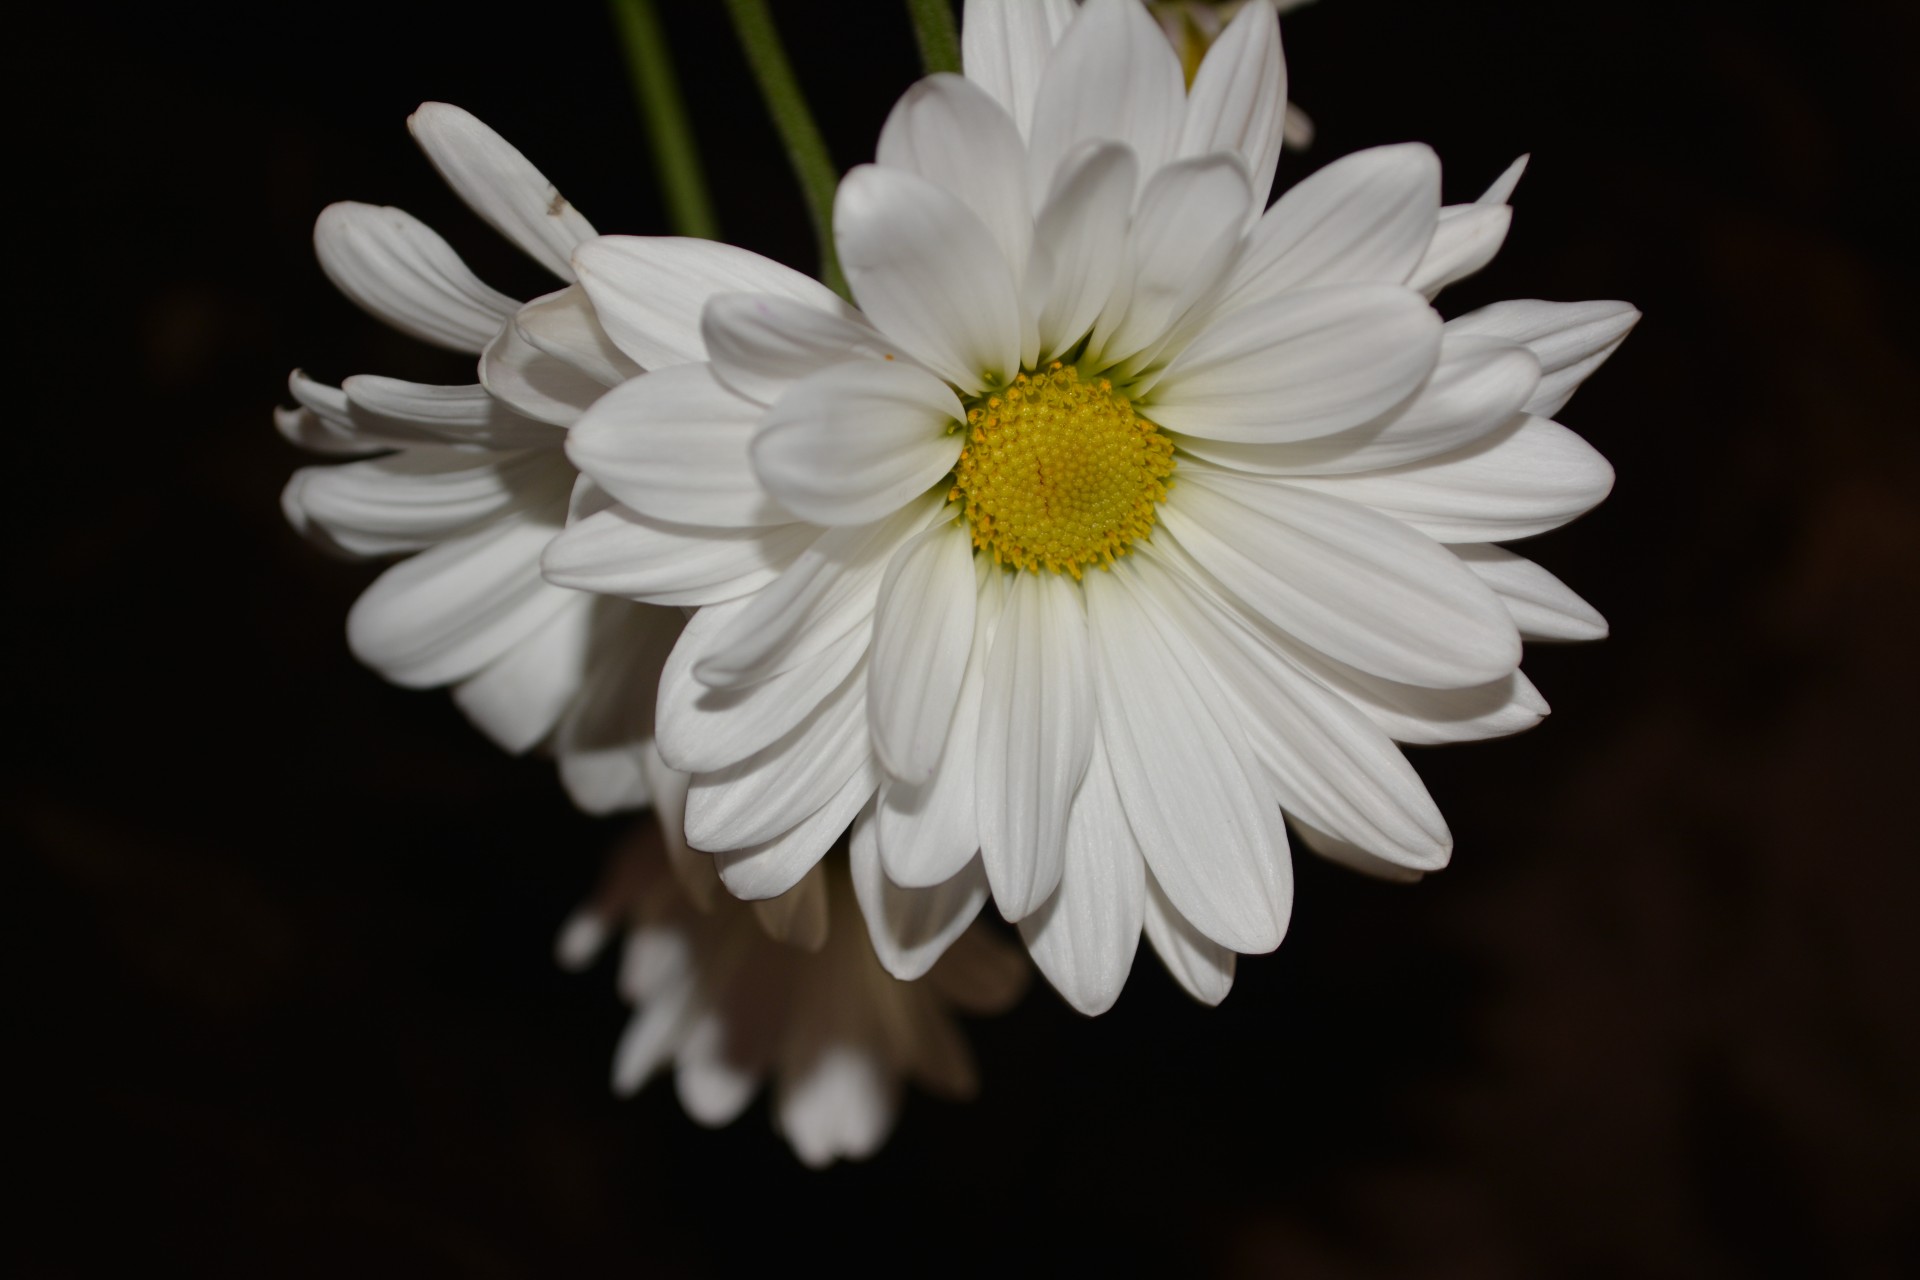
713,1085
766,870
703,729
304,429
1359,587
1080,240
666,946
582,937
1206,822
607,781
328,403
1183,240
395,267
1198,963
1238,101
564,326
838,1101
667,941
660,950
1353,857
761,344
1478,384
1364,219
534,383
1570,339
1525,479
651,1037
1543,607
1005,45
449,611
927,830
1301,365
1084,938
798,917
855,442
1297,133
648,291
952,133
1112,75
776,788
607,763
1404,712
829,591
1326,762
922,637
1465,238
927,272
1036,736
619,552
500,185
1501,192
911,928
413,499
517,700
326,423
455,415
1407,713
673,445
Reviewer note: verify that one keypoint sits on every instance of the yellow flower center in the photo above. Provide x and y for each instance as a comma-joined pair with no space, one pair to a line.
1059,472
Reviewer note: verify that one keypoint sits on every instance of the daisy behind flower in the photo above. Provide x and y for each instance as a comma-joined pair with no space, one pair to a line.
729,1007
470,483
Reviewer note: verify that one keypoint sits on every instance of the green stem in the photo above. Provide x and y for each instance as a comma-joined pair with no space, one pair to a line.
807,151
676,157
936,34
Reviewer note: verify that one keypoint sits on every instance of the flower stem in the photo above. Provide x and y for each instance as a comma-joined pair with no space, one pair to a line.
934,31
676,157
760,40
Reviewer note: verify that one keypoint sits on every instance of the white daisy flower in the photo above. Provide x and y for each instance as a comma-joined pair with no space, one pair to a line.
471,482
1118,519
728,1006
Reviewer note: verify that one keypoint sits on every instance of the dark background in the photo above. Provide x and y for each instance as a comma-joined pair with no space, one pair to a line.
282,987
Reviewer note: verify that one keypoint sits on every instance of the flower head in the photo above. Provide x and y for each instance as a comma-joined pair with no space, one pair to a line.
470,482
728,1006
1120,518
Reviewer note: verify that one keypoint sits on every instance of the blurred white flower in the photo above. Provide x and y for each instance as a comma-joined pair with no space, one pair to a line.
728,1007
1119,519
471,482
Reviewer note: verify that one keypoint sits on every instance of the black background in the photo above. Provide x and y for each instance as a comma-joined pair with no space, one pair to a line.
281,978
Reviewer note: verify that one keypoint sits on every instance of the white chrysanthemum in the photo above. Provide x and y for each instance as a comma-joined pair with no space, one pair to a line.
727,1006
1119,519
472,481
